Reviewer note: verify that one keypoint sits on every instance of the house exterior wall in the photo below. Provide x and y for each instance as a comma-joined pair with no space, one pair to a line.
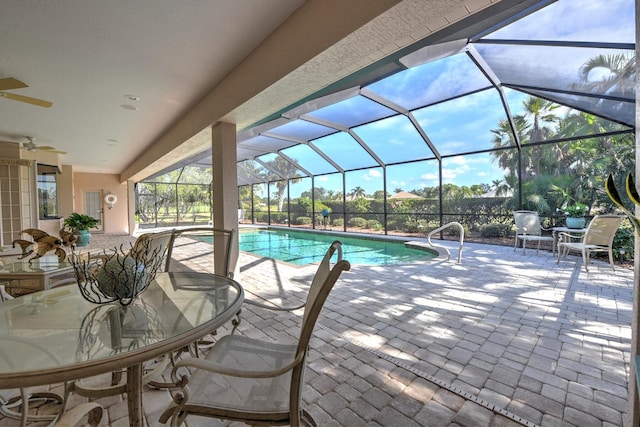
115,219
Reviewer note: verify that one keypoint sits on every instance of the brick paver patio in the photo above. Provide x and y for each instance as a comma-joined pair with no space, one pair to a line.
501,339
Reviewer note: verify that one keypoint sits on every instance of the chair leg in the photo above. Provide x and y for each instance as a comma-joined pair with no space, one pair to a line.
236,322
611,259
585,259
307,419
562,252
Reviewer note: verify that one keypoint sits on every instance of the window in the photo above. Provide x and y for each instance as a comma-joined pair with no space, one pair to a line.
47,192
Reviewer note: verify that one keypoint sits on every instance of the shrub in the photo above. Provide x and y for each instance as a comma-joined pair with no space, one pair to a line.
279,217
303,220
454,231
338,222
374,224
624,240
260,216
495,230
416,226
358,222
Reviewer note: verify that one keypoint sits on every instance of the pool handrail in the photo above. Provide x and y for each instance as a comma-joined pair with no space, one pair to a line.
461,242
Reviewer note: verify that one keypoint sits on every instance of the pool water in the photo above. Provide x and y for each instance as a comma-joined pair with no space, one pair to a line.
302,248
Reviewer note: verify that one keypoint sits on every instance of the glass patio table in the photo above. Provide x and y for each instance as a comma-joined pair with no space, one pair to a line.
55,335
41,270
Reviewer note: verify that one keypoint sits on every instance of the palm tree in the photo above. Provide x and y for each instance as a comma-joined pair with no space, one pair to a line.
504,138
620,77
500,187
542,112
288,169
357,192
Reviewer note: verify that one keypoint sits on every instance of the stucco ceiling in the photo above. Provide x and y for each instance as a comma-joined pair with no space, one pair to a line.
87,56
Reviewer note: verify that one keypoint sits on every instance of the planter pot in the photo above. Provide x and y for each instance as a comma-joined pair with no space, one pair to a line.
576,222
83,237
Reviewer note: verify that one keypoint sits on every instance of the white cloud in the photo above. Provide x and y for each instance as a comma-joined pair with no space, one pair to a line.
372,174
429,176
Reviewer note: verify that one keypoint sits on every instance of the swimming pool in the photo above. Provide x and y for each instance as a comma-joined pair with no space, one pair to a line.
302,248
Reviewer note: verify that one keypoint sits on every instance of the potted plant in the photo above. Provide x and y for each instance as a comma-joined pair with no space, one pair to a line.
80,224
575,215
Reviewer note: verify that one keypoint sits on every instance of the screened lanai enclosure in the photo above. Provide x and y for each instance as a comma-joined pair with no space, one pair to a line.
532,112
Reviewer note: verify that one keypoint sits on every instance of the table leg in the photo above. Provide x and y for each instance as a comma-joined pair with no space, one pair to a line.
134,394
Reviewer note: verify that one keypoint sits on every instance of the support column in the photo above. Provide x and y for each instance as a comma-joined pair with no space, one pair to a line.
131,206
225,188
634,398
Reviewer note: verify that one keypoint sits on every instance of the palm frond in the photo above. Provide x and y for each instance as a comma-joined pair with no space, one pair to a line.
612,192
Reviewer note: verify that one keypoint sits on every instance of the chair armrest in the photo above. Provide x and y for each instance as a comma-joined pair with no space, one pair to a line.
274,307
210,366
563,236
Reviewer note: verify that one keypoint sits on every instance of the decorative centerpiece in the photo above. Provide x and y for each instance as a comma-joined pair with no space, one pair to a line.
575,215
119,276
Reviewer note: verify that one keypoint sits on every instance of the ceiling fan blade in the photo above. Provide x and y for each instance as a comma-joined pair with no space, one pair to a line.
50,149
27,99
11,83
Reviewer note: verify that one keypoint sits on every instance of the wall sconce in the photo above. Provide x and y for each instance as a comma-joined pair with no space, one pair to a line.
110,200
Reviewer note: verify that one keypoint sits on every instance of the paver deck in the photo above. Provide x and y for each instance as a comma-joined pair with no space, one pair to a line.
501,339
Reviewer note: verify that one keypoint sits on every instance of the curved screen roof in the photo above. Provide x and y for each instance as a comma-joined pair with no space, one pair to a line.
448,97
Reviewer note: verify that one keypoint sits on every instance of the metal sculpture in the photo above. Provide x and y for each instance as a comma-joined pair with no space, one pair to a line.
44,242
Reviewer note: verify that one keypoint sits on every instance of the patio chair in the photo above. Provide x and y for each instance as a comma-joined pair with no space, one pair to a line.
188,249
528,229
149,247
250,380
598,238
325,261
92,410
189,243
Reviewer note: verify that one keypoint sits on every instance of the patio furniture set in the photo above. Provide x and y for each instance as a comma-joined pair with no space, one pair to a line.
58,335
596,237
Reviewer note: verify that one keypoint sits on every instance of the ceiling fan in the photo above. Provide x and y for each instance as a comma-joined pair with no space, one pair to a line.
31,146
10,83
